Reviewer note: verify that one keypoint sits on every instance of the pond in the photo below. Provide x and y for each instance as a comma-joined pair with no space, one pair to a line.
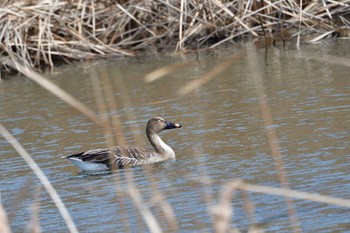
302,96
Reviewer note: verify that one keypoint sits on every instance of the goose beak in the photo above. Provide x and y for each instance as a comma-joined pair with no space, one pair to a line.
170,125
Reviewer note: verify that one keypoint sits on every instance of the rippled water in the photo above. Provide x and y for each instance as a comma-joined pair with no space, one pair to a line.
223,138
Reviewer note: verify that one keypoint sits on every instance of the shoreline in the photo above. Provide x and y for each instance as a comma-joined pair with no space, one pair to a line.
39,35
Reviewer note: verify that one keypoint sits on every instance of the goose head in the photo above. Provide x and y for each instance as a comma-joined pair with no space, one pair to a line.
158,124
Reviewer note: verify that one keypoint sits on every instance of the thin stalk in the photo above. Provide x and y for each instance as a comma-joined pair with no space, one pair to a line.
42,177
4,224
271,133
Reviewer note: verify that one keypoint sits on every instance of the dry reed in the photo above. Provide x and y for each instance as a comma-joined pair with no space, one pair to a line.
271,133
4,224
43,33
222,212
102,81
42,178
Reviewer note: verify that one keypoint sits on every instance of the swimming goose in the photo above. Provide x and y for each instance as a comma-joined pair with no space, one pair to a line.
128,156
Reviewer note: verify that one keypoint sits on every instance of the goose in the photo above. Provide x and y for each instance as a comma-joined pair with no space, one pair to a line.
128,156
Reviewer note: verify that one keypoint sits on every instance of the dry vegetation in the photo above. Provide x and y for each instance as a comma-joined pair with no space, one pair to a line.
41,33
219,206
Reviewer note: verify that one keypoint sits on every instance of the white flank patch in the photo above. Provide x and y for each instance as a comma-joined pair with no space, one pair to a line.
86,166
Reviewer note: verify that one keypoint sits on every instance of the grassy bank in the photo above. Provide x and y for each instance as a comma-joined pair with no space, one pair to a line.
44,33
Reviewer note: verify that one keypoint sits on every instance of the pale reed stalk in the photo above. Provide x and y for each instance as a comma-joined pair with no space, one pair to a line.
42,177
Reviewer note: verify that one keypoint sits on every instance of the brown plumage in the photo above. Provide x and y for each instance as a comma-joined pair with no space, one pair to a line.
128,156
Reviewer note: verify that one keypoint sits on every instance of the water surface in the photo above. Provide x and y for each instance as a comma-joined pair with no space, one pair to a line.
223,138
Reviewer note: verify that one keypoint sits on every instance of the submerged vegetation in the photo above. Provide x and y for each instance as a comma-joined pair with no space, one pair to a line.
42,33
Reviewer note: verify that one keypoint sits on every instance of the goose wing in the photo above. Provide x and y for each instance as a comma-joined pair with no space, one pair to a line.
119,156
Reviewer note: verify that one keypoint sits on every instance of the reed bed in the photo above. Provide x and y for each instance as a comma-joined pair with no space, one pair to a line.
39,34
44,33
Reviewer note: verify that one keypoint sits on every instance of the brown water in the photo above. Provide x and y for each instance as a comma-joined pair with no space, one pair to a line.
223,138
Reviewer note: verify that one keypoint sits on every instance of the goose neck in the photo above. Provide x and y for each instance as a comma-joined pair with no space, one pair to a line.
160,146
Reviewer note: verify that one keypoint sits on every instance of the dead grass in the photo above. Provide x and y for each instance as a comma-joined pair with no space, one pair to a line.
44,33
61,30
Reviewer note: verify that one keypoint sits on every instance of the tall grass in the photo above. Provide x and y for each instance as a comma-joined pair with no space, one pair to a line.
44,33
39,34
